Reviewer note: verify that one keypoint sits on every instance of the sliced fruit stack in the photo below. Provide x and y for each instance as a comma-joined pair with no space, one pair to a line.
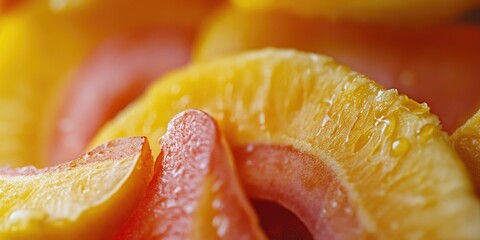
349,158
272,143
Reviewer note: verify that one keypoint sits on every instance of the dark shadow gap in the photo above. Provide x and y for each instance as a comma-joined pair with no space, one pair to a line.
278,222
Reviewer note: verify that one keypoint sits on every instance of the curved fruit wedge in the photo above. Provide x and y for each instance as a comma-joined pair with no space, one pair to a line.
33,68
395,173
392,11
88,198
195,193
115,74
437,65
466,140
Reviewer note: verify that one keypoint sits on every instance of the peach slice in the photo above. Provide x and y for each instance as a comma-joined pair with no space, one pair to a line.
437,65
361,154
195,193
466,140
384,12
88,198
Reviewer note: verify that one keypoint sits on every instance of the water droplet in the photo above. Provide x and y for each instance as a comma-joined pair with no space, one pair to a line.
426,132
26,216
222,224
189,208
379,95
389,125
202,165
250,148
176,172
217,204
323,212
400,147
170,203
177,190
314,57
72,164
334,204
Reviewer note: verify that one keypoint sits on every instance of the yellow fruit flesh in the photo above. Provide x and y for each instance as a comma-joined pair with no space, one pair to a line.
466,140
85,199
390,12
404,178
40,50
34,65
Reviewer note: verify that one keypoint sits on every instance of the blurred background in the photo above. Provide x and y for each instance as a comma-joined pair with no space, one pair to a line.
68,66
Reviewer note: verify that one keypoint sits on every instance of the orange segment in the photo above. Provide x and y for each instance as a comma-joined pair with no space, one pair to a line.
466,140
87,198
384,12
402,177
195,193
437,65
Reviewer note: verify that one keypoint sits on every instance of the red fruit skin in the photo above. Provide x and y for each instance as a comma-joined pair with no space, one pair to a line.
194,162
115,74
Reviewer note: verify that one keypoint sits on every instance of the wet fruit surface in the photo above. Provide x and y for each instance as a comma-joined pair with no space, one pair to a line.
436,65
372,139
282,144
86,198
195,193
